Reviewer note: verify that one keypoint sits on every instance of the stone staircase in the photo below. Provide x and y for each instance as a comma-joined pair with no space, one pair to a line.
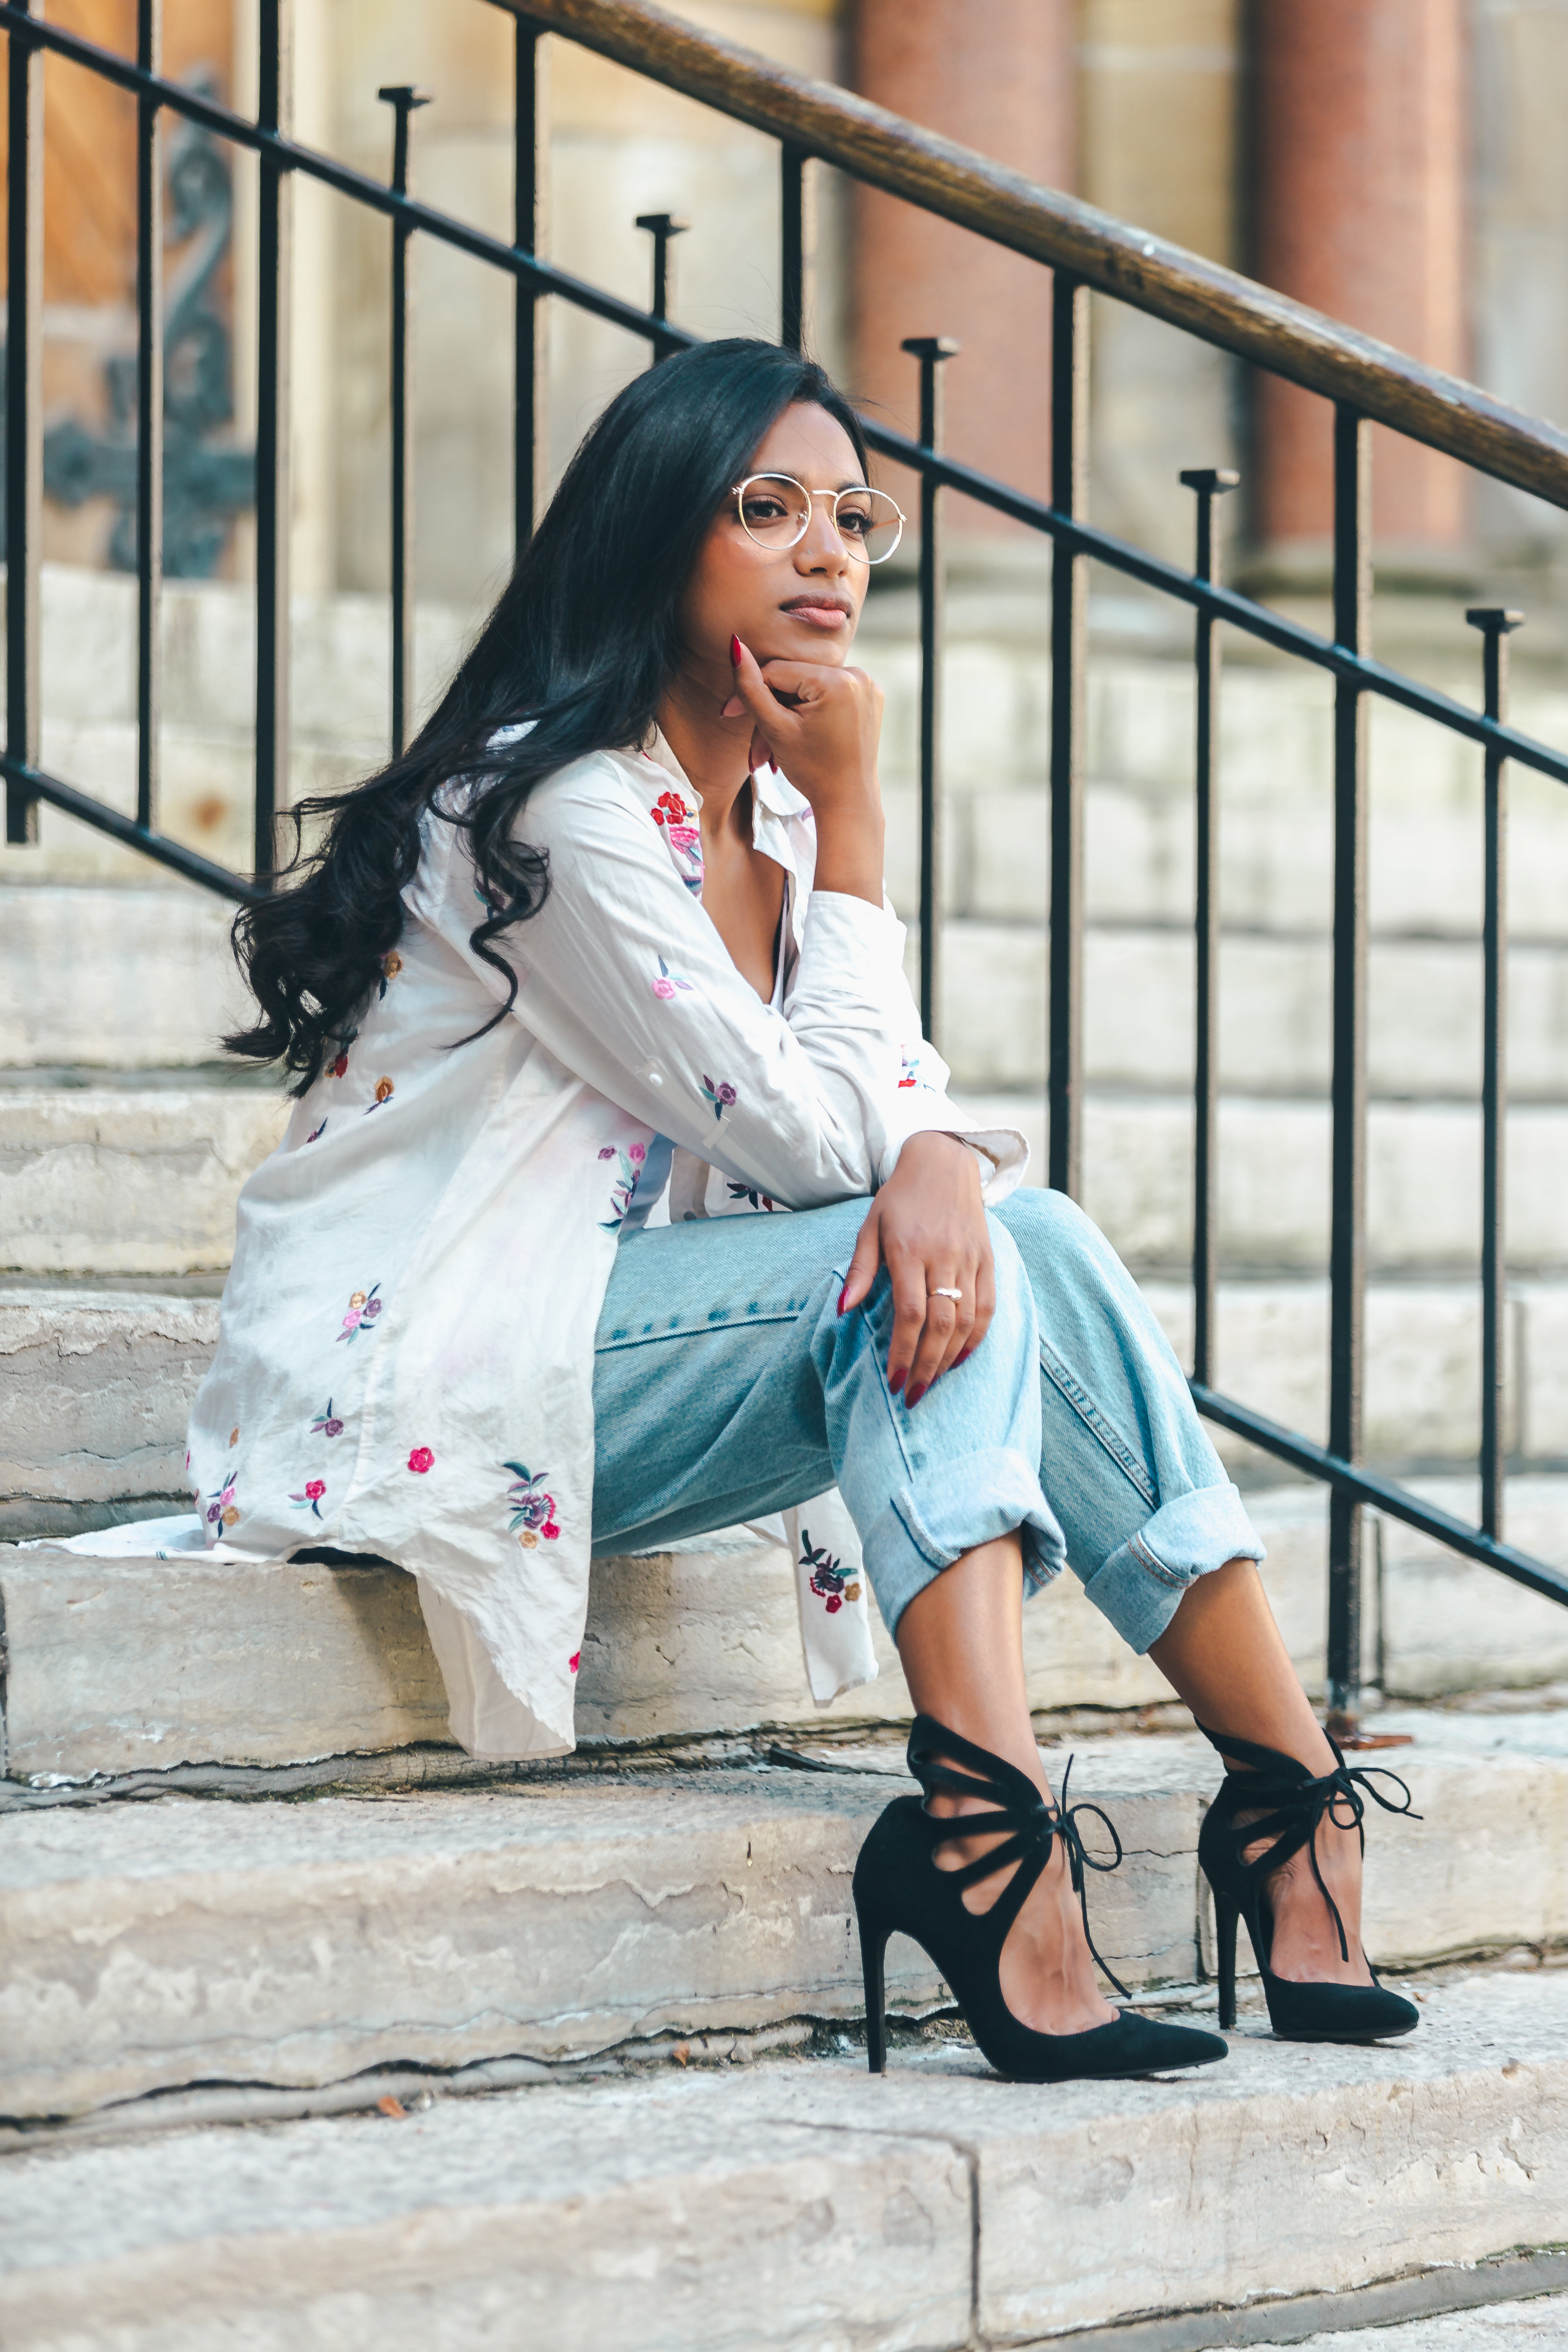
312,2029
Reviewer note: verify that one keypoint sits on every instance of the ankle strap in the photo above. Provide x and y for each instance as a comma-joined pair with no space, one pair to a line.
1291,1804
1017,1806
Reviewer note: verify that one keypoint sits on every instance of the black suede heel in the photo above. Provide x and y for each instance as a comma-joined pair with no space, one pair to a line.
900,1889
1288,1804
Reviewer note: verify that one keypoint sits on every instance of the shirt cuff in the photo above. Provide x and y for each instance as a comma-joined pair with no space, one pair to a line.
1001,1153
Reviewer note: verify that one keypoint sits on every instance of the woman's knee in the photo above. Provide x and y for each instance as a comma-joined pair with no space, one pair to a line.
1049,1229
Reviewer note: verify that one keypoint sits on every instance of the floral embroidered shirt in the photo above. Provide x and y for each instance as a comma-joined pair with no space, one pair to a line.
405,1361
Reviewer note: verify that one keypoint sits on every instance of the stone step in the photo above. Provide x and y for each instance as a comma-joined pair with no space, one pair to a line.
122,1664
1275,757
96,1381
139,1176
136,1172
141,977
1275,1007
802,2205
552,1920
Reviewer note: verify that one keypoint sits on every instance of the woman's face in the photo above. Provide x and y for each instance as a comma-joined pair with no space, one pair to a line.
786,604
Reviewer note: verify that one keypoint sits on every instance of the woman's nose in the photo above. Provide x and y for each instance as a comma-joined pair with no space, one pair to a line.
823,544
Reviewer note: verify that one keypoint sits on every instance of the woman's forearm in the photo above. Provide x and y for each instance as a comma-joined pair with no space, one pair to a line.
849,852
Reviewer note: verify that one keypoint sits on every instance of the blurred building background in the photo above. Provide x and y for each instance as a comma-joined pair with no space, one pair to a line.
1398,163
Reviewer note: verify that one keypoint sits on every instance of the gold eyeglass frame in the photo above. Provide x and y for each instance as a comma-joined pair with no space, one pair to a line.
854,489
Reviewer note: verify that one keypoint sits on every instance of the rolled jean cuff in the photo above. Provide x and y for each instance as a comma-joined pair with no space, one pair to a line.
1139,1587
943,1514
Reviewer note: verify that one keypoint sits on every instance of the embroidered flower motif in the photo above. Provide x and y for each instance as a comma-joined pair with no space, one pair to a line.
340,1067
385,1090
391,965
363,1308
607,1151
221,1510
574,1662
670,809
421,1460
749,1192
830,1583
311,1500
233,1437
315,1131
912,1076
685,842
623,1188
533,1514
669,983
327,1424
721,1095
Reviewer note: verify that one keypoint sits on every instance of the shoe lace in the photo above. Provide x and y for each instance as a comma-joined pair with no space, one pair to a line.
1291,1806
1017,1806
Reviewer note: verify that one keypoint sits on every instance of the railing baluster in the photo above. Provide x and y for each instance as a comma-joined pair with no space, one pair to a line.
931,351
1209,482
1347,1249
404,97
527,376
274,258
792,246
149,412
1496,624
24,428
663,227
1069,603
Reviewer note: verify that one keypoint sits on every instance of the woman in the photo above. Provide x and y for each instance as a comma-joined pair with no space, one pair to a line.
582,954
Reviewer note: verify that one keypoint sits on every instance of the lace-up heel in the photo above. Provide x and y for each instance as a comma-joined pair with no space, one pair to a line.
1284,1803
899,1888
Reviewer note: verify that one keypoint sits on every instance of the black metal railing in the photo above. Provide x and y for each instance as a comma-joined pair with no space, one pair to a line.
1086,250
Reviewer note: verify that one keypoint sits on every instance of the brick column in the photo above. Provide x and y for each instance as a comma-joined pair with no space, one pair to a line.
999,76
1359,147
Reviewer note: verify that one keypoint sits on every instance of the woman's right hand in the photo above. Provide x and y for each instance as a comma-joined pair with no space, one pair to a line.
822,723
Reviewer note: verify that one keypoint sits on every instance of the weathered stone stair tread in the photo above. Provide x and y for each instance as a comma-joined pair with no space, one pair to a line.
122,1664
546,1920
805,2205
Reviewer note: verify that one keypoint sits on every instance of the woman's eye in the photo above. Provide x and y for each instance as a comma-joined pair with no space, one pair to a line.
765,511
854,522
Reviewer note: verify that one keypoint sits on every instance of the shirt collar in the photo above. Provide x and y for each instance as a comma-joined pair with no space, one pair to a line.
771,790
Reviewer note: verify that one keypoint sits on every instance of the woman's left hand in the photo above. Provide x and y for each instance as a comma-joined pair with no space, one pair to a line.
928,1227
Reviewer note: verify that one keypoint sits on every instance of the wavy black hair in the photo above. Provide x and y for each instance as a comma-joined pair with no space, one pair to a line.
584,641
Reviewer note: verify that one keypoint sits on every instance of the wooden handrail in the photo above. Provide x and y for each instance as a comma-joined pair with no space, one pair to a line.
1149,272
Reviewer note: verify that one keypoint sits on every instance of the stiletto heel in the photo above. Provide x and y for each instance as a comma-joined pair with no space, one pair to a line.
899,1887
1225,1914
873,1954
1285,1804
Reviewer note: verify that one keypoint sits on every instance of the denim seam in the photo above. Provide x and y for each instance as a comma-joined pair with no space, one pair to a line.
920,1535
1088,1412
1151,1560
697,1330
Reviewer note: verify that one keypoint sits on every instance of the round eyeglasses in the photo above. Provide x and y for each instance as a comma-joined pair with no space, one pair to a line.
774,510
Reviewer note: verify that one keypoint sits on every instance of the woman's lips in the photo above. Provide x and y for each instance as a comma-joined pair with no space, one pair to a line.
816,616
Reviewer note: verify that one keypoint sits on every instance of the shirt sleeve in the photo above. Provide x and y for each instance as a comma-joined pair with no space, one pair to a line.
623,977
921,1107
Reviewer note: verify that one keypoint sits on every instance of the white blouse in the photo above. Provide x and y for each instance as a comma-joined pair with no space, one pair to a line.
405,1363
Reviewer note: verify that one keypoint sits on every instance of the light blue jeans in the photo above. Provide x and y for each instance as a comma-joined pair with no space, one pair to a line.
727,1386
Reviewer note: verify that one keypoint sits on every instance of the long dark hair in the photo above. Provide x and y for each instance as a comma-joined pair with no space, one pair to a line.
584,641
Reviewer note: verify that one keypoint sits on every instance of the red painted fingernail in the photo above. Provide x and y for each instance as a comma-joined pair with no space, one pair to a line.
842,1296
895,1383
735,652
774,765
962,1359
915,1395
